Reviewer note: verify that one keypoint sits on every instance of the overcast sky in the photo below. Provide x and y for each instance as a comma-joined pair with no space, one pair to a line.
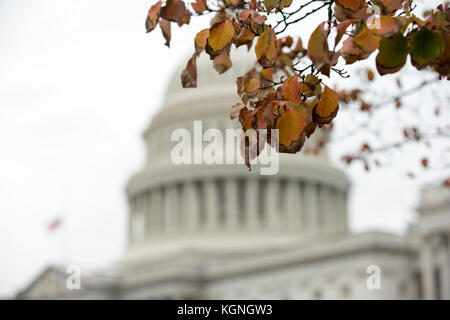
79,82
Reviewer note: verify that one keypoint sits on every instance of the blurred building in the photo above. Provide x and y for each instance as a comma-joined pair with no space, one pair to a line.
220,232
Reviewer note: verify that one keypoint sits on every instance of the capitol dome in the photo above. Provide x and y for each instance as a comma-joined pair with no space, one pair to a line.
207,207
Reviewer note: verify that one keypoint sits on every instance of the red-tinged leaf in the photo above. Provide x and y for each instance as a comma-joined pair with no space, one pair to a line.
389,6
266,48
236,110
174,10
200,41
220,36
153,16
222,62
291,126
189,74
342,28
165,28
186,18
389,26
291,90
353,5
199,6
327,107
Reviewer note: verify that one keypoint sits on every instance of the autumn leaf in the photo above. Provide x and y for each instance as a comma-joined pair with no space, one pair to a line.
174,10
199,6
291,126
153,16
271,4
392,54
222,62
327,107
165,28
220,36
318,50
189,74
244,37
200,41
428,46
389,26
367,40
236,110
290,90
266,49
351,4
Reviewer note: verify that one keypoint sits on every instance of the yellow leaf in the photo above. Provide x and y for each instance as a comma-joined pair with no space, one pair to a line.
327,107
266,48
220,35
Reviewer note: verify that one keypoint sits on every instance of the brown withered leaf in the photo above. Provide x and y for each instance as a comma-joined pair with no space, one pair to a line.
222,62
199,6
153,16
189,74
165,28
174,10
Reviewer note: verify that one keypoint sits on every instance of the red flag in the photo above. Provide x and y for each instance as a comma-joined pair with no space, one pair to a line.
54,224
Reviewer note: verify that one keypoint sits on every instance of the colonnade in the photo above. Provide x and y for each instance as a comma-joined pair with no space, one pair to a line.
237,204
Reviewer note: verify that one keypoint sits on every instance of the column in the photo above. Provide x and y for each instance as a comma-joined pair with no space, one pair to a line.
427,269
138,220
211,204
343,216
310,206
132,213
191,206
231,204
251,203
156,213
147,211
271,205
170,208
291,198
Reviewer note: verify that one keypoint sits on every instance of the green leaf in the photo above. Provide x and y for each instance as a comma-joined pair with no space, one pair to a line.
392,54
428,46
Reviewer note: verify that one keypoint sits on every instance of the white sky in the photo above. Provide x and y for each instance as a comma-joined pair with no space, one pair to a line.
79,82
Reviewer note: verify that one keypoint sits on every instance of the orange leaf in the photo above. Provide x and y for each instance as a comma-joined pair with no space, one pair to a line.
291,126
327,107
200,41
266,48
220,35
291,90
